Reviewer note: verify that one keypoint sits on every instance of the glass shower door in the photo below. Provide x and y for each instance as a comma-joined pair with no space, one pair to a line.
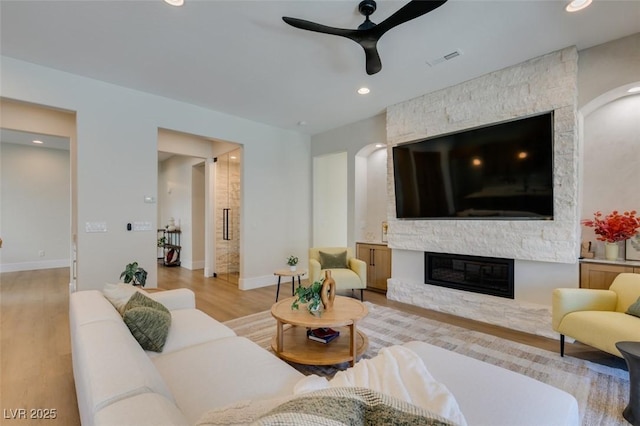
228,216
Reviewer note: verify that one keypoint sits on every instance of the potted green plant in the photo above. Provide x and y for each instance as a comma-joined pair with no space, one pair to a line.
309,295
292,261
134,274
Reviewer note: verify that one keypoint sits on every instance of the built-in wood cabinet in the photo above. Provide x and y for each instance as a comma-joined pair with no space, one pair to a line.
378,259
600,275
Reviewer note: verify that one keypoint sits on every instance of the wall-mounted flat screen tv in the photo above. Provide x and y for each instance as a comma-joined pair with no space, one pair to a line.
500,171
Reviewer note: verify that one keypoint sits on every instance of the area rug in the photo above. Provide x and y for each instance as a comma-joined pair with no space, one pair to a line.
601,391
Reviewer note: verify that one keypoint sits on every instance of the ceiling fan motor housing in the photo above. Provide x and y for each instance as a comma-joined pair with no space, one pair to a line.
367,7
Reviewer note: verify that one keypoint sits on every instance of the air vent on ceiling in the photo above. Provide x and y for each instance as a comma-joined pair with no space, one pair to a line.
440,59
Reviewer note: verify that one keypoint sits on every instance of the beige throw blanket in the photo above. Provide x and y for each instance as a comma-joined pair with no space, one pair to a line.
349,407
396,372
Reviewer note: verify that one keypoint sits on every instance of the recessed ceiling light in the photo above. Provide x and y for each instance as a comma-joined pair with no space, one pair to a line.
634,90
363,90
38,142
380,145
577,5
174,2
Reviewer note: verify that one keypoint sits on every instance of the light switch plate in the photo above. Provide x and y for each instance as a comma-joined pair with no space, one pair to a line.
95,226
142,226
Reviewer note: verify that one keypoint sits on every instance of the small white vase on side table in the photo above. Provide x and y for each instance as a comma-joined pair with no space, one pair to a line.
611,251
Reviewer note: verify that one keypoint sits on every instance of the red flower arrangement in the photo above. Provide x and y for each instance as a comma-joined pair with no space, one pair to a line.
614,226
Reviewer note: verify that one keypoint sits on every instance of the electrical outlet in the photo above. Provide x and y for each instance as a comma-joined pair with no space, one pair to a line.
41,253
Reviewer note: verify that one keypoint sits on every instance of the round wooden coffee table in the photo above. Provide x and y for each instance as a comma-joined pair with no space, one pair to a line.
291,343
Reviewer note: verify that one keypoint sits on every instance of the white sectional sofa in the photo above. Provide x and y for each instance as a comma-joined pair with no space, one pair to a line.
204,366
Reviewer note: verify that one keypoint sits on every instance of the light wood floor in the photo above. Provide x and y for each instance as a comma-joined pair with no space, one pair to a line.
35,353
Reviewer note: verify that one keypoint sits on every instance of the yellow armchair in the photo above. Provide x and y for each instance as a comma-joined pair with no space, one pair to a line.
598,317
350,273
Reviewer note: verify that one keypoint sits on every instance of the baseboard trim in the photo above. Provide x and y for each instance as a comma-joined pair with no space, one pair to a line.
32,266
256,282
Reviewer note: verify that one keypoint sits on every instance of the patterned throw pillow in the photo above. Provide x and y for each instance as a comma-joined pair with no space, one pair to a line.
333,261
140,300
150,327
634,309
149,321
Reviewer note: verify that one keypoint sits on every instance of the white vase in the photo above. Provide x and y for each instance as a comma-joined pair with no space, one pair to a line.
611,251
292,268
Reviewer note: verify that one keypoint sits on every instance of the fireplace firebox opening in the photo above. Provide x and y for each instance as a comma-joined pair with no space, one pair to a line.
486,275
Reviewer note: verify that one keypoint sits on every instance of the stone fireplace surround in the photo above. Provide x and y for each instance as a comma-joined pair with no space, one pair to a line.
546,83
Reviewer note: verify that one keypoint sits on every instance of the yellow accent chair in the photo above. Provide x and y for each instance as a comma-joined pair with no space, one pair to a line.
348,272
598,318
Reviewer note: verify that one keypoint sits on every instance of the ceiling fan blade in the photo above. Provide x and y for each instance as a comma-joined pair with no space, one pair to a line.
319,28
373,62
411,10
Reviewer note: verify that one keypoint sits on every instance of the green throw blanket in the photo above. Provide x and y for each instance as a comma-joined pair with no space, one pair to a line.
349,406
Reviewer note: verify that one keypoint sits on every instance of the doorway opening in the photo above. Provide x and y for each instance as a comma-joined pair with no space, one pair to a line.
199,184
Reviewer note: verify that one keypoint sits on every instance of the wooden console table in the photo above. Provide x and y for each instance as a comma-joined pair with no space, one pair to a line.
600,273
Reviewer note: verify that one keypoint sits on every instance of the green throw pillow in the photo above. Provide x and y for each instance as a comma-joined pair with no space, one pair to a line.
634,309
140,300
333,261
149,326
149,321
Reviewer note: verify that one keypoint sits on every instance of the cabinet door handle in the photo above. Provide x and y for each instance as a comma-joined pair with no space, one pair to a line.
372,257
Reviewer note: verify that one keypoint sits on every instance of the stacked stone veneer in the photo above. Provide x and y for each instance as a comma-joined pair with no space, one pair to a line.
546,83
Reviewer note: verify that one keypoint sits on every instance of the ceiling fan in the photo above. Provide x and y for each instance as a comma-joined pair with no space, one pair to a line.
368,33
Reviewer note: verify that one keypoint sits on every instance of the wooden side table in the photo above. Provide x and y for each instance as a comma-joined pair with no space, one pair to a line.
289,273
631,353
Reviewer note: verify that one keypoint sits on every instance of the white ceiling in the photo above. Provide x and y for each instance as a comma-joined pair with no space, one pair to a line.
240,58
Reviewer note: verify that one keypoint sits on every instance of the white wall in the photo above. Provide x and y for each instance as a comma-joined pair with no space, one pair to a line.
376,211
330,200
117,133
611,162
606,67
197,216
175,198
35,212
351,139
371,195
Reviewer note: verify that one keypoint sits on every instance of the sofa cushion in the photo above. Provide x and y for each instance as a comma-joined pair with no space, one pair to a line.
90,306
109,366
222,372
333,260
634,309
146,409
483,390
192,327
179,298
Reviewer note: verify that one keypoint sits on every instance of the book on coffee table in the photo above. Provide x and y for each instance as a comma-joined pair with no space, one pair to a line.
322,335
